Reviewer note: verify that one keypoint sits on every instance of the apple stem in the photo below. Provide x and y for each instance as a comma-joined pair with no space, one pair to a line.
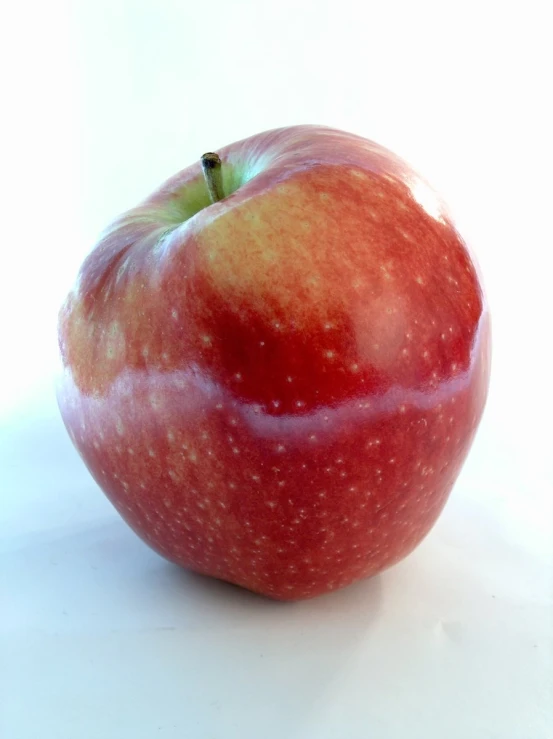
213,174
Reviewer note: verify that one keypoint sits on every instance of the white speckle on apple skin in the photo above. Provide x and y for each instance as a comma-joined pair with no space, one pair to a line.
155,402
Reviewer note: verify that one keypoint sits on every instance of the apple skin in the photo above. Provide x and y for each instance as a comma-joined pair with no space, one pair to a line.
279,389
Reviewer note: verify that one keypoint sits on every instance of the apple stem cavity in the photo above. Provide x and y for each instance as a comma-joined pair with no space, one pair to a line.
213,174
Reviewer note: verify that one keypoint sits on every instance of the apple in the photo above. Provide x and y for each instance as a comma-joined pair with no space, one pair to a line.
275,366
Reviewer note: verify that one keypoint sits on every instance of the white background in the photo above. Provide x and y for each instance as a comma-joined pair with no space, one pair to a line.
100,638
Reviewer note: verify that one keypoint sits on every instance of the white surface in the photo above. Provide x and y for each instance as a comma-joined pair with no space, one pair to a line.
99,637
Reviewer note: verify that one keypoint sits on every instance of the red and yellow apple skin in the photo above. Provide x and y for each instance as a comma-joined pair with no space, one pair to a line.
279,389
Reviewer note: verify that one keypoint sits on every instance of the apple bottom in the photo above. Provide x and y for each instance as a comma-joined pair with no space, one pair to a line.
288,506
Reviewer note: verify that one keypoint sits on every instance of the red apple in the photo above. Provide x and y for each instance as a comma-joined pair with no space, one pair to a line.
279,388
